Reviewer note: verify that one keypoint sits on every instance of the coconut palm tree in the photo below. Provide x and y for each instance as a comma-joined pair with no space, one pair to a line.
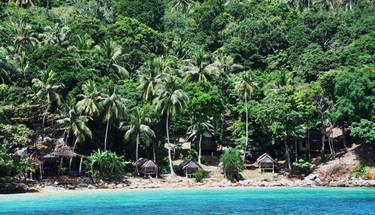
170,100
197,129
151,74
199,69
47,91
139,129
245,86
24,38
91,97
74,125
55,35
114,56
114,108
180,4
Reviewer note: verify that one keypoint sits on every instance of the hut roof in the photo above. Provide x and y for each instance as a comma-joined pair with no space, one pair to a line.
22,152
140,162
265,158
334,132
62,150
190,164
149,164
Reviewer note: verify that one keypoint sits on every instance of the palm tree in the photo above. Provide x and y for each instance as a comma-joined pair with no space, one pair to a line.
180,4
199,69
90,103
197,129
245,86
74,125
169,101
114,108
55,35
25,37
226,64
47,91
151,74
139,129
114,55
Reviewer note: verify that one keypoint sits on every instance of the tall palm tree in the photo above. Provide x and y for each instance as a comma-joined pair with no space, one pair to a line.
197,129
151,74
180,4
170,100
199,69
245,86
47,91
74,125
90,103
114,108
114,56
55,35
138,128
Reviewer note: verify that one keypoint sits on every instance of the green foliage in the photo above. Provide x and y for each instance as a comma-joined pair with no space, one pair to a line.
12,165
363,130
104,165
198,176
360,169
232,163
303,166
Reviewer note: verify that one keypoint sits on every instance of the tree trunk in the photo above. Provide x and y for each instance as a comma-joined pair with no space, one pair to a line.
44,122
169,147
200,149
296,147
106,134
323,148
247,131
154,153
344,137
71,159
136,147
287,155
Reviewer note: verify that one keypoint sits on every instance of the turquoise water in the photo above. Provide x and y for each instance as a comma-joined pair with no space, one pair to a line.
197,201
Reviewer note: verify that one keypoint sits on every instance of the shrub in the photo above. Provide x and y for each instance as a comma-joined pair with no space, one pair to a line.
12,165
303,167
360,169
232,163
198,175
104,165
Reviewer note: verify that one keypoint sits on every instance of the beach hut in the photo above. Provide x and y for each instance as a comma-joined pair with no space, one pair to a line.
139,163
189,167
148,169
266,163
61,152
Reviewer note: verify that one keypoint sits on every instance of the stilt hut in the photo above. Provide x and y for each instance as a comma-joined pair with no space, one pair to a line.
189,167
62,152
266,163
139,163
149,169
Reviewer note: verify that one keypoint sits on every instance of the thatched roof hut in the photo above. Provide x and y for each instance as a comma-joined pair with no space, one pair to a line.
62,151
147,167
189,167
266,163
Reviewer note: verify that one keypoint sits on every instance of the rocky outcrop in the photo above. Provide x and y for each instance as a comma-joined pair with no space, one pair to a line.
14,187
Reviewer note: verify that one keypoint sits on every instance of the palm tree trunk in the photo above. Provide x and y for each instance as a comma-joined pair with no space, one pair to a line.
200,149
287,155
169,147
106,135
154,153
71,159
247,131
136,147
322,150
44,122
344,137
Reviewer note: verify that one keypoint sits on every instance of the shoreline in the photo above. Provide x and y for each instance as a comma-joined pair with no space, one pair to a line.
63,191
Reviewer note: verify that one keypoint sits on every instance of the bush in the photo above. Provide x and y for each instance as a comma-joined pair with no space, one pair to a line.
360,169
12,165
104,165
198,175
232,163
303,167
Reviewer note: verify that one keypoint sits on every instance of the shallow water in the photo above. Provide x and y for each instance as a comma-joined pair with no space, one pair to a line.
197,201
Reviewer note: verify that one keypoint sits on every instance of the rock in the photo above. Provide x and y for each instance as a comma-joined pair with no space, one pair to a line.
119,186
11,187
56,183
71,187
311,177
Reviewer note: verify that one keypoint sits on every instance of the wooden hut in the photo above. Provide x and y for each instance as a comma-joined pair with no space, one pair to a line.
61,152
266,163
147,167
189,167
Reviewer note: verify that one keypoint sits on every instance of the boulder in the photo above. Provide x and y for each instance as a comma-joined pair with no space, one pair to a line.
12,187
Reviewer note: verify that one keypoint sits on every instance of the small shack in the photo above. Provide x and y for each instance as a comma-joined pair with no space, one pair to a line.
189,167
146,167
266,163
61,152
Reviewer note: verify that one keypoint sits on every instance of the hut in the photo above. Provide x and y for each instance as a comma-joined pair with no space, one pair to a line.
146,167
189,167
61,152
266,163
